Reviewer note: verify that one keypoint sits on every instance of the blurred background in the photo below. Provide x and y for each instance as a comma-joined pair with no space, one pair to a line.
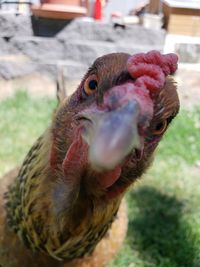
40,40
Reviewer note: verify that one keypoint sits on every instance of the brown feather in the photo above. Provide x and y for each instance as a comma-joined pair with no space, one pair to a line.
49,220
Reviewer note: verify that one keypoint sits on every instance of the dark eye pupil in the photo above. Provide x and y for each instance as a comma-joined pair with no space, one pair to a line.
159,126
92,84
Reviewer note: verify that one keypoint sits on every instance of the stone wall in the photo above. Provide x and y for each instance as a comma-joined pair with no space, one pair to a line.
73,47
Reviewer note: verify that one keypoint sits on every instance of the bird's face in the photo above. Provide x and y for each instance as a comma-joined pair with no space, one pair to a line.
115,120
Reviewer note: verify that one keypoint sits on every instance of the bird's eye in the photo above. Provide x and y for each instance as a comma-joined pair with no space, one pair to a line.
91,84
160,127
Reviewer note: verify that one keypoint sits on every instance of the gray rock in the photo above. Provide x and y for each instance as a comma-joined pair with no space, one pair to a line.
132,49
12,25
11,70
6,47
85,41
84,30
39,49
74,48
188,52
72,70
98,31
138,35
87,51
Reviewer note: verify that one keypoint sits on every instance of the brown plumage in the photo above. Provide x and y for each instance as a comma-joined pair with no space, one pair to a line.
64,206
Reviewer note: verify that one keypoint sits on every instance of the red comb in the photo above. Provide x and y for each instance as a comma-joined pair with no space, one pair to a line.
149,69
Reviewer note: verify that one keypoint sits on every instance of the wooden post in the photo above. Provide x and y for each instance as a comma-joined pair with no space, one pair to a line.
154,7
60,85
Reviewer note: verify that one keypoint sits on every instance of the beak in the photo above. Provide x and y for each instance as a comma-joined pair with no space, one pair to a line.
112,135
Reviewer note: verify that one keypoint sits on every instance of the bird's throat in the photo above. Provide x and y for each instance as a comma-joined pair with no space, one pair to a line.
76,158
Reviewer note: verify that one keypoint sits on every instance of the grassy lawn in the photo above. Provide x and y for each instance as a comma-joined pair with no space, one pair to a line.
164,207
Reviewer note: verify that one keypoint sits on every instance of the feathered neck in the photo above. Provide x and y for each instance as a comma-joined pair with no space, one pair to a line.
39,211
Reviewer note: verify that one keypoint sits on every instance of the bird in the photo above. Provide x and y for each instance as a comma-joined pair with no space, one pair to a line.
65,207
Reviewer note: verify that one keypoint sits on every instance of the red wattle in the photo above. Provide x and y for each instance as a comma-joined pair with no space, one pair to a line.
75,159
117,191
107,179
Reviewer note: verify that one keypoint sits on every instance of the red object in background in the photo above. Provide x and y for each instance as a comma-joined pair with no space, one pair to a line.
98,10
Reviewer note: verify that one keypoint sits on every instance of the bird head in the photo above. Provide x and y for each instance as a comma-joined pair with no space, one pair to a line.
105,134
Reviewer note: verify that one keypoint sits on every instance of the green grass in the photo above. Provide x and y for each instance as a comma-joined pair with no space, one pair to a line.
164,207
22,120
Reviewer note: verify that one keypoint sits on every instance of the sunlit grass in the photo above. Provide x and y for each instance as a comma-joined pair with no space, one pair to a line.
164,207
22,120
164,210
